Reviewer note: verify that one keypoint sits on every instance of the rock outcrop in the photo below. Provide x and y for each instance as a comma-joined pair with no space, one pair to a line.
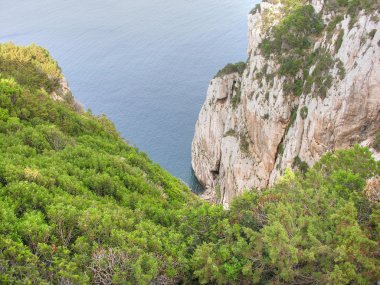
254,125
63,93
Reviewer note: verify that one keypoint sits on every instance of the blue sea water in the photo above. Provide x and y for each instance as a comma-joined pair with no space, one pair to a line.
145,64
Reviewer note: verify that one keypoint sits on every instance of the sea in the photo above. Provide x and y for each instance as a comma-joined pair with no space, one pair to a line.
145,64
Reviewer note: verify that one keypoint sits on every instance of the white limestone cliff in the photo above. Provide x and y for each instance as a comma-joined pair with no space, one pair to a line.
249,130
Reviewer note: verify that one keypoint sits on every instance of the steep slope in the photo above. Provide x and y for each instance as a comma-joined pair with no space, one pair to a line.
78,205
311,84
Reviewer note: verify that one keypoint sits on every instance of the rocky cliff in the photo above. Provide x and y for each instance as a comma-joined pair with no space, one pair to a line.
311,84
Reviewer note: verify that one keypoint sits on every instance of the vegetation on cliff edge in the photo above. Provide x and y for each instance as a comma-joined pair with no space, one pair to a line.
232,68
291,43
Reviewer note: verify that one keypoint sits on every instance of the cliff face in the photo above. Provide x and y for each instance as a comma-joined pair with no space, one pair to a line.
294,101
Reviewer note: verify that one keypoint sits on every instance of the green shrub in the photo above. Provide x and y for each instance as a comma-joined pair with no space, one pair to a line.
303,112
339,41
235,100
230,133
376,142
321,74
257,8
244,144
281,149
332,24
290,66
293,31
232,68
341,70
302,166
293,116
372,34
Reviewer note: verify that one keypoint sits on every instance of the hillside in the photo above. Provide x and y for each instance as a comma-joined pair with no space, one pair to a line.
310,85
78,205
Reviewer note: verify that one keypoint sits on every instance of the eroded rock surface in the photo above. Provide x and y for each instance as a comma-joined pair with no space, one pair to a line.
250,129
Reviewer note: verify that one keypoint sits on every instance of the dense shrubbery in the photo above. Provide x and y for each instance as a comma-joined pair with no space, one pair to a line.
293,32
73,194
304,230
78,205
31,66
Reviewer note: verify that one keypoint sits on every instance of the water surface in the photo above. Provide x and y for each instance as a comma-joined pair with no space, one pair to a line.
145,64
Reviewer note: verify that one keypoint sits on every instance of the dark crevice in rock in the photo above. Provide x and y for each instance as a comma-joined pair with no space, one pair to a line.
215,171
233,88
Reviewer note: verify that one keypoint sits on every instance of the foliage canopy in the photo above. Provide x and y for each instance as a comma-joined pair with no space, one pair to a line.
78,205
